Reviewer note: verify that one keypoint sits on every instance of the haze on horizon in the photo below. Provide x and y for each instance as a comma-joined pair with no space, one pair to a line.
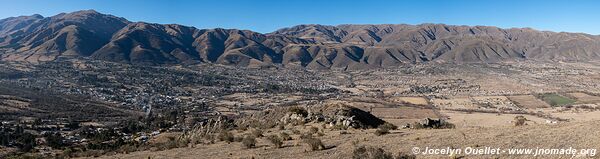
269,15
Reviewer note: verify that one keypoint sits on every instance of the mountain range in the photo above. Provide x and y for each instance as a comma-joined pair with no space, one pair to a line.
91,35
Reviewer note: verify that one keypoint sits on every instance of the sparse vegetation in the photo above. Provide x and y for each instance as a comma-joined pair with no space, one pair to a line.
385,129
382,131
249,141
306,136
257,133
520,120
403,155
314,143
339,127
313,130
275,140
171,143
388,126
298,110
363,152
296,131
284,136
238,138
226,136
55,140
369,152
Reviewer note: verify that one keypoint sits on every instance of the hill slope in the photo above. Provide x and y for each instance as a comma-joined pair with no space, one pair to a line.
580,135
89,34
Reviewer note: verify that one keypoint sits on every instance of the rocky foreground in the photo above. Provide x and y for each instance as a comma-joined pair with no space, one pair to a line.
344,143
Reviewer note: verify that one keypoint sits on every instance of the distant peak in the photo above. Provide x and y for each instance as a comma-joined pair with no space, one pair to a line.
38,16
83,12
87,11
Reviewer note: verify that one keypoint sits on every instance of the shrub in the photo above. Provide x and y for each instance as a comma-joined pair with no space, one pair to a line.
520,120
55,140
275,140
256,133
314,143
370,153
171,144
382,131
209,137
320,134
388,126
306,136
403,155
26,142
284,136
339,127
123,149
355,142
297,122
313,130
68,152
446,125
299,110
296,131
249,141
238,139
225,136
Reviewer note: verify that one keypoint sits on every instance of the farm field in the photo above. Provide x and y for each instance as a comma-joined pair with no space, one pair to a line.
554,99
528,102
411,100
584,98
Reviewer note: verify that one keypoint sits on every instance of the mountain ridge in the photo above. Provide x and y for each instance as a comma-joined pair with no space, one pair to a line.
90,34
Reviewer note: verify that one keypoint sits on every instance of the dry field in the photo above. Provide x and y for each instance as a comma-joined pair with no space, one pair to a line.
468,120
454,103
578,116
403,115
528,102
411,100
584,98
494,102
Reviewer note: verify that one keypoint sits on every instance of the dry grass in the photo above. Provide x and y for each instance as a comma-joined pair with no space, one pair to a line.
314,143
411,100
404,113
249,141
585,98
572,134
284,136
370,153
528,102
275,140
226,136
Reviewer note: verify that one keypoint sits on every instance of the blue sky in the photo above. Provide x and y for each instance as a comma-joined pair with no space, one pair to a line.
268,15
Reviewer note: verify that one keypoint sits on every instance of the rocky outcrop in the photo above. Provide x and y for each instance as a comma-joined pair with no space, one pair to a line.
336,115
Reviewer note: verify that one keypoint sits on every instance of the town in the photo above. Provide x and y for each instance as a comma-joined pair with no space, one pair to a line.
95,108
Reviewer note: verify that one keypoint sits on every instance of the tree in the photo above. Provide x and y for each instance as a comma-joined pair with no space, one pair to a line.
26,142
55,140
